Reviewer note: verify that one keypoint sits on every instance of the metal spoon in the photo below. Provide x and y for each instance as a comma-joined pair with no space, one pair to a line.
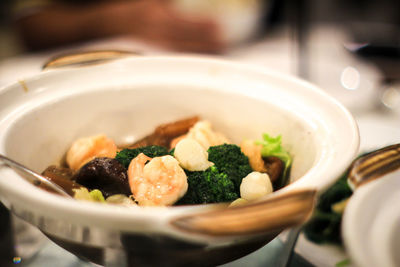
33,177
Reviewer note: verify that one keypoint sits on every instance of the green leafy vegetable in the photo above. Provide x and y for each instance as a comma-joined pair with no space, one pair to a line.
272,147
325,225
84,194
97,196
339,191
126,155
343,263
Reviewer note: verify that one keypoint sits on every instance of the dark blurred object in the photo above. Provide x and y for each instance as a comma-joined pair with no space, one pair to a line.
9,44
376,50
370,31
301,21
385,57
59,23
4,10
380,33
378,43
344,11
273,15
7,252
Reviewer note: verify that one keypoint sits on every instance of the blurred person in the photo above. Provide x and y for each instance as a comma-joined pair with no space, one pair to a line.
45,24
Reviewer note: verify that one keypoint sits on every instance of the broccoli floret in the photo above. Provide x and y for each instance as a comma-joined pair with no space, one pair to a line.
209,186
229,159
126,155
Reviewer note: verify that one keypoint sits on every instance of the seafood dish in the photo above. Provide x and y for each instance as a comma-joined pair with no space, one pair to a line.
185,162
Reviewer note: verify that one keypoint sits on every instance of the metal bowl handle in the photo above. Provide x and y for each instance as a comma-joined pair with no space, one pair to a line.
288,209
86,58
374,165
271,215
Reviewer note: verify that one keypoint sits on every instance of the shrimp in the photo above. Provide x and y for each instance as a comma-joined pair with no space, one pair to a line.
160,182
205,135
85,149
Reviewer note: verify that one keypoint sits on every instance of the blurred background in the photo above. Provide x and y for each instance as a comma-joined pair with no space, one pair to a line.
349,48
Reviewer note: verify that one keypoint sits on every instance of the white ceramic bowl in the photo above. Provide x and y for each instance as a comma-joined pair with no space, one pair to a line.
126,99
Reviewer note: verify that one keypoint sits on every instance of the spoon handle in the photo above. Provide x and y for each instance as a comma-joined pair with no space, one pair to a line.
32,176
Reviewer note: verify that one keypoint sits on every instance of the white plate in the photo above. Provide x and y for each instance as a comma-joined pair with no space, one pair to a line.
376,131
371,223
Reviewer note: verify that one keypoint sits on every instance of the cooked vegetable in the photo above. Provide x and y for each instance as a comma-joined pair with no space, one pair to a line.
185,161
275,169
230,160
272,147
325,225
84,194
120,199
209,186
126,155
336,193
96,195
104,174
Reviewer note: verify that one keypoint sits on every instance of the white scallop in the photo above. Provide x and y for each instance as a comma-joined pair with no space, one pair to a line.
191,155
255,185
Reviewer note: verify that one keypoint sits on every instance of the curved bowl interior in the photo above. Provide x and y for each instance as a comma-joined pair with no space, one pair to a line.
126,99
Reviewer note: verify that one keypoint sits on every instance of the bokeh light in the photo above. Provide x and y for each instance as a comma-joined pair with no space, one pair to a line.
17,260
